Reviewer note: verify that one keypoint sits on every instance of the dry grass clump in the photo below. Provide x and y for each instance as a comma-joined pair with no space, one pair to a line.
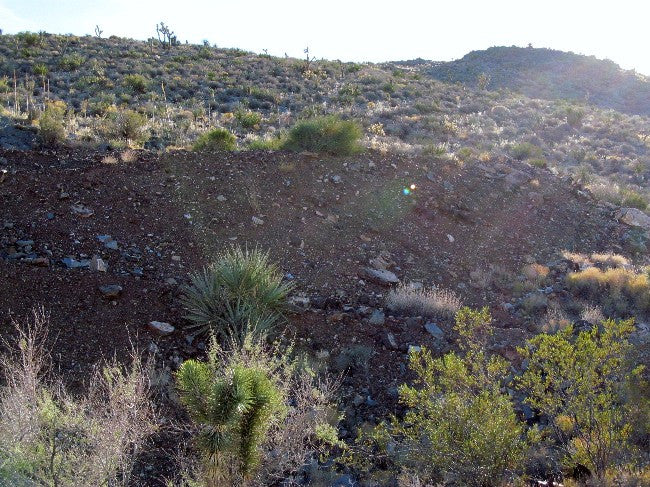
610,260
614,288
536,273
554,320
592,314
50,437
431,302
604,260
581,260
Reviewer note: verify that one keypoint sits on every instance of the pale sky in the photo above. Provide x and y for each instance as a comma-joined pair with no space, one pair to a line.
359,30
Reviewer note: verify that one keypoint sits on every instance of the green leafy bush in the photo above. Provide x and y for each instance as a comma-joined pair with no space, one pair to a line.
582,384
40,70
240,294
136,83
617,289
51,123
525,150
327,134
29,39
272,143
217,139
71,62
248,119
130,126
633,199
459,426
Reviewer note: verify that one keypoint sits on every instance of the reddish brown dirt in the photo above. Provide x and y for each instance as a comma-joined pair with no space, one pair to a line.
173,205
323,220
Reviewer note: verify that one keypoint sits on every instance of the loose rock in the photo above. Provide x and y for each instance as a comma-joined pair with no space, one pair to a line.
110,291
161,327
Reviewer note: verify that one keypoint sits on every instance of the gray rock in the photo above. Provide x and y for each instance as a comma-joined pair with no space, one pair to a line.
344,481
414,349
358,400
38,261
380,276
24,243
110,291
434,331
97,264
392,343
72,263
299,301
161,327
112,245
377,318
633,217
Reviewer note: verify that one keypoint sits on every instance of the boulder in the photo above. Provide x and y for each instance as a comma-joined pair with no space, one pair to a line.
633,217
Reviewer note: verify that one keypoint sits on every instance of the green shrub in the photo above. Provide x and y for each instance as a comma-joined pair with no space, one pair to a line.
459,425
525,150
136,83
272,143
574,116
582,384
71,62
51,123
29,39
248,119
217,139
239,294
40,70
633,199
327,134
130,126
614,288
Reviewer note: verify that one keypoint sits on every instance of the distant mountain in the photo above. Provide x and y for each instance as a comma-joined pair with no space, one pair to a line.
550,74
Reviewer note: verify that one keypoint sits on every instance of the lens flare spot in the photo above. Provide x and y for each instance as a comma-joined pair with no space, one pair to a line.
406,191
412,187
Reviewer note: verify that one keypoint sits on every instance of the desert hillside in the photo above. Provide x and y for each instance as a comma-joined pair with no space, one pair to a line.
223,268
551,74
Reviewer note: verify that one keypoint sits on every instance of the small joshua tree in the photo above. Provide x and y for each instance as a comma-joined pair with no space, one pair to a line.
234,409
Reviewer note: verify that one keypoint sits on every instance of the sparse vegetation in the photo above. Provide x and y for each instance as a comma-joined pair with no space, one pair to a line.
51,437
429,302
580,383
325,134
466,184
217,139
619,290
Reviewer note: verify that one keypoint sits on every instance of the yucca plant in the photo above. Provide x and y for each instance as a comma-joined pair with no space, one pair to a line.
234,409
240,293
